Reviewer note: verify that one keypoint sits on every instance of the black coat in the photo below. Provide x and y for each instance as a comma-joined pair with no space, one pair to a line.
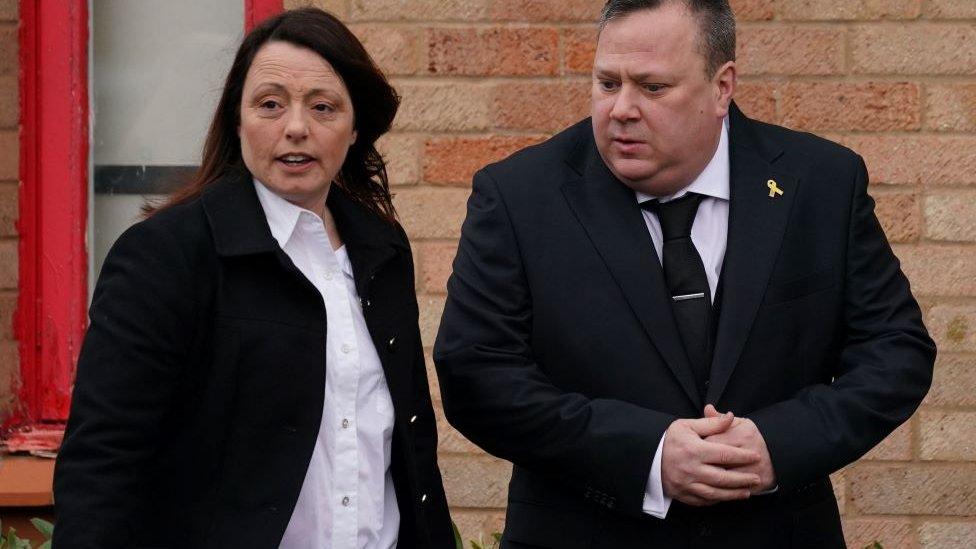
200,386
558,350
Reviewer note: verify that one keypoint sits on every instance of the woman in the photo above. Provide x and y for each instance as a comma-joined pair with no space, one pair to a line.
253,373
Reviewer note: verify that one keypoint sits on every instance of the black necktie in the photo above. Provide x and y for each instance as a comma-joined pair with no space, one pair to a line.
684,272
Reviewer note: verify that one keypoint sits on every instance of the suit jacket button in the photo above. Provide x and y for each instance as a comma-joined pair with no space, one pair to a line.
391,345
423,498
413,419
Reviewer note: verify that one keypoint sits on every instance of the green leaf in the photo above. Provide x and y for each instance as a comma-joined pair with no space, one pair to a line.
458,544
476,545
874,545
497,536
45,545
44,527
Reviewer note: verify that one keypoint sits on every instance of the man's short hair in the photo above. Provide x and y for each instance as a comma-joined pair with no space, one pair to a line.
715,21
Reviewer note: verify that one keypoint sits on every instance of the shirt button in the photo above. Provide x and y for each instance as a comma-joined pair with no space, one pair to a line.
345,423
327,275
345,501
345,348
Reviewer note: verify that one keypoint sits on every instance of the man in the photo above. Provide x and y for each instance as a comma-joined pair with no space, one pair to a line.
618,286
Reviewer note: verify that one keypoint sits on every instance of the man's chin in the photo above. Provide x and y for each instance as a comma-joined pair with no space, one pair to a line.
646,180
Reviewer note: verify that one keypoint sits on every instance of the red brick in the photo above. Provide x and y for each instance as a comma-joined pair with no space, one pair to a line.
890,533
339,8
951,107
8,209
9,155
895,447
753,10
843,106
757,100
477,525
926,160
8,49
402,155
947,436
497,51
950,216
791,50
839,483
913,489
545,10
951,9
9,377
475,481
431,213
832,10
454,160
939,270
443,106
954,380
9,102
899,215
953,327
395,49
8,264
9,10
914,49
431,309
419,10
541,106
434,262
947,535
8,304
579,48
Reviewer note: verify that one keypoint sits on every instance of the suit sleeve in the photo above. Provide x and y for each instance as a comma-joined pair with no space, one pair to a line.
498,396
884,368
142,319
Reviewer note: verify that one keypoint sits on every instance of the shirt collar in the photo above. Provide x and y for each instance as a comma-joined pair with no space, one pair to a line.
282,215
714,179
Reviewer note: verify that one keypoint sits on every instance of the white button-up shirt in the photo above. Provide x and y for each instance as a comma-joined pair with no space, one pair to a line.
709,234
347,500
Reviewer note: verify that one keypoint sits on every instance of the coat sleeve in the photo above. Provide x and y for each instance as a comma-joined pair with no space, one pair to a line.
497,395
141,326
884,368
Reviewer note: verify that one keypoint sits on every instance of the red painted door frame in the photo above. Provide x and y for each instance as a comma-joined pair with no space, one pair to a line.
53,202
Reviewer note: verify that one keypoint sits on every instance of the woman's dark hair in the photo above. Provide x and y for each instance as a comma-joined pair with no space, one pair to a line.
363,174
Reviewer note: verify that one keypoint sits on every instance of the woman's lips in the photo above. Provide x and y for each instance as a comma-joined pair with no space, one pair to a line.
291,166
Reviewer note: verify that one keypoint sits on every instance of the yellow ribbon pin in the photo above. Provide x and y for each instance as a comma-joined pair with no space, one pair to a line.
773,189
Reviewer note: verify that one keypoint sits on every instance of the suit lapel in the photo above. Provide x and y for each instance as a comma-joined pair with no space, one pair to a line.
613,221
757,223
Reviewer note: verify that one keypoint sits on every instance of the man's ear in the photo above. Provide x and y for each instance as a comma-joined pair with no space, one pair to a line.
725,82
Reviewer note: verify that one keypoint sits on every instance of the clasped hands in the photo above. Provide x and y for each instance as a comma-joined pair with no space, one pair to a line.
716,458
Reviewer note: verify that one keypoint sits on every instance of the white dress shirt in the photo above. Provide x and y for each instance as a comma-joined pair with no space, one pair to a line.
347,500
709,234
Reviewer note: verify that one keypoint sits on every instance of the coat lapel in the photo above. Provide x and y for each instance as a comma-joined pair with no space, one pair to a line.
613,221
757,223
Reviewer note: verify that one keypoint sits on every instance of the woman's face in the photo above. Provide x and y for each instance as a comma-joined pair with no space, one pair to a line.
297,123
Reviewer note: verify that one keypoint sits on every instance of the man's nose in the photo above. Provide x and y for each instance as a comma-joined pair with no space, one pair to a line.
625,105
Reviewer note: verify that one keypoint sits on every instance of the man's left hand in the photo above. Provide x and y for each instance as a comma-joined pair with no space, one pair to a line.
744,434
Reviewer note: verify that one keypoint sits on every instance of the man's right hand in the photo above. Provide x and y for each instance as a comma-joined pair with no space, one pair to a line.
694,471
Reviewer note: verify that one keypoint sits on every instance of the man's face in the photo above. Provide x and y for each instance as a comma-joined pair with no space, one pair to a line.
656,115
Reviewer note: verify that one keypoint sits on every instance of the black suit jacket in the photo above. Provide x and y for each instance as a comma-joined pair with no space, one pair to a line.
558,350
200,385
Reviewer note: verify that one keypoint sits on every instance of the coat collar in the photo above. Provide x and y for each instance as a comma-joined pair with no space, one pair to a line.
757,224
239,226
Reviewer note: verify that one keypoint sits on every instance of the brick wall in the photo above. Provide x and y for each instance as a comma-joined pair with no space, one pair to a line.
894,79
9,165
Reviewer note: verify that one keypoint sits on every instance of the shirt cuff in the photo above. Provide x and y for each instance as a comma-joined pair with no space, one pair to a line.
656,503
